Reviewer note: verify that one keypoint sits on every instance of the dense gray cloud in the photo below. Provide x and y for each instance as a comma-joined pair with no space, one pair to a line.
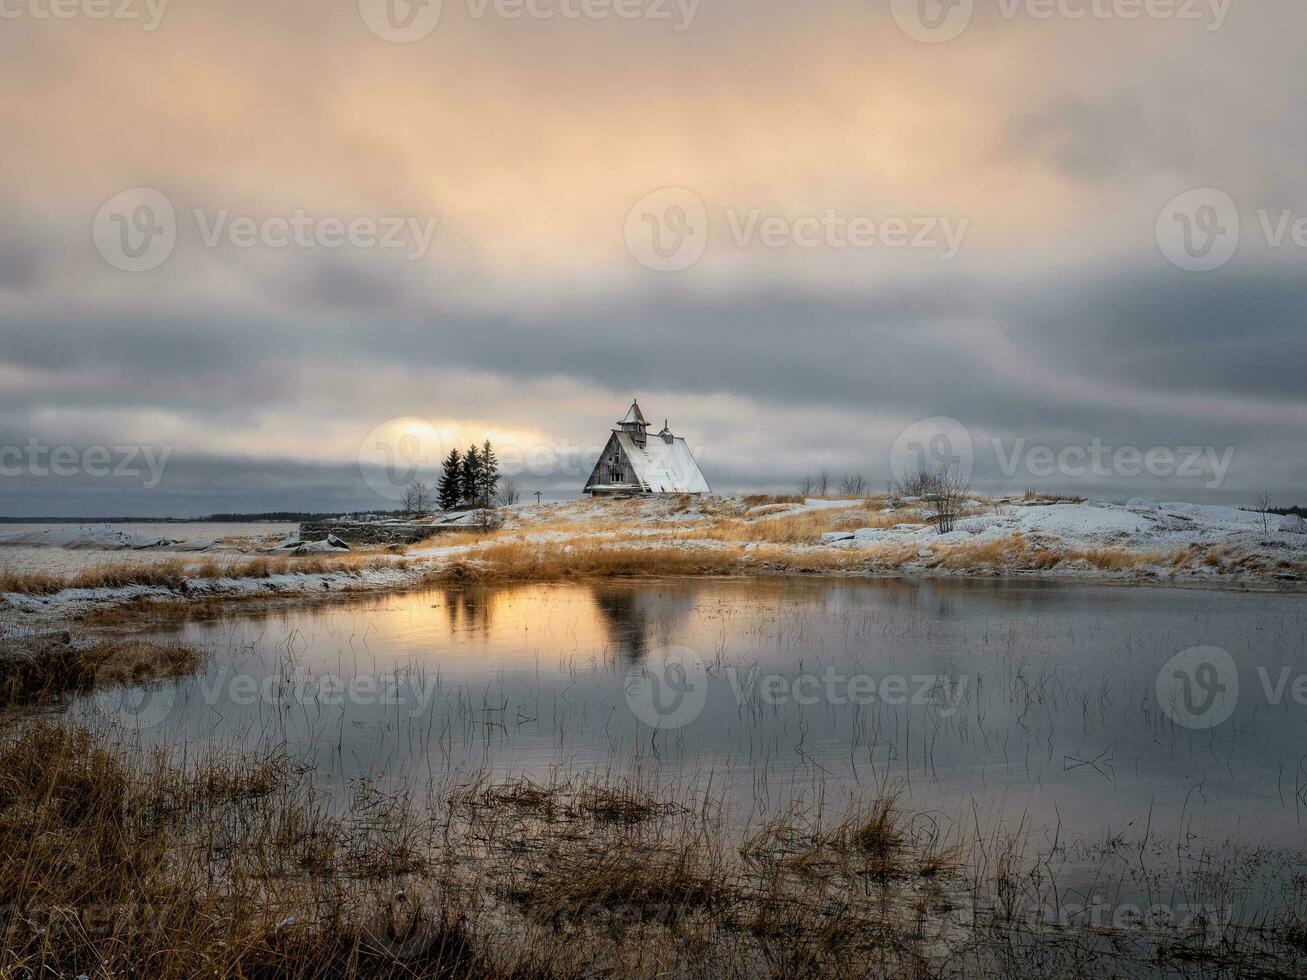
263,369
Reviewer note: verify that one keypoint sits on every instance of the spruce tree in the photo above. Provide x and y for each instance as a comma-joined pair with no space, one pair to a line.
489,474
451,481
471,482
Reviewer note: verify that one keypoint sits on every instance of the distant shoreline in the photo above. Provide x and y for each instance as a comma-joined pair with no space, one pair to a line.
271,517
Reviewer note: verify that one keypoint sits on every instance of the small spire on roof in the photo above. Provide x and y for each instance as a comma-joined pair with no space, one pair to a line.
633,415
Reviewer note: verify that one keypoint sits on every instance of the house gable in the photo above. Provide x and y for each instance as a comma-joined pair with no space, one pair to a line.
614,469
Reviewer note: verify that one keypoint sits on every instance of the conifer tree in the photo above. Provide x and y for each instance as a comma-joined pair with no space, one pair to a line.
451,481
471,471
489,474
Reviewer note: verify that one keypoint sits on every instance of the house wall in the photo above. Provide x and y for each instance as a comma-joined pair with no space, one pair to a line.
602,475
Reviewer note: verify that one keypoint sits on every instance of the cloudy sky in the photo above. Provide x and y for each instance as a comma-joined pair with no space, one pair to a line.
247,250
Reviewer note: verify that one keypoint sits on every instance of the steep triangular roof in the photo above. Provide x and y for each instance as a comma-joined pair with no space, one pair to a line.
663,466
633,414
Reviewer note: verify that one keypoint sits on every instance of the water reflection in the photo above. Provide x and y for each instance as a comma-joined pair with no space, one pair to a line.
1023,704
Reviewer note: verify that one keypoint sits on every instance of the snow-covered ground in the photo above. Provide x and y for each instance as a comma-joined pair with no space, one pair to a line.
1138,526
1173,542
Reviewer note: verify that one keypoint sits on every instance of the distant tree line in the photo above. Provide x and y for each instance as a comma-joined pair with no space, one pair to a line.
943,491
850,485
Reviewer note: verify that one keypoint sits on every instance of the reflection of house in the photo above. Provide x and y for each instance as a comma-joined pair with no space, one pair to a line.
634,462
637,618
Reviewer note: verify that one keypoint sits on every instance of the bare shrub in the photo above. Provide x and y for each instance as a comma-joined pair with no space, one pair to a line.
853,485
1263,507
922,483
507,494
946,498
418,498
487,519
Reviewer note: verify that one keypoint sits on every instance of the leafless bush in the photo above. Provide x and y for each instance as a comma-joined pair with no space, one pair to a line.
853,485
507,494
947,494
488,519
922,483
816,486
418,498
1263,507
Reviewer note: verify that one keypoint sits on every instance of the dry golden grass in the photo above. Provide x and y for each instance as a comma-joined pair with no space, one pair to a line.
118,862
522,561
137,868
58,664
1011,549
175,574
1015,553
1113,559
806,527
168,575
671,881
761,499
134,661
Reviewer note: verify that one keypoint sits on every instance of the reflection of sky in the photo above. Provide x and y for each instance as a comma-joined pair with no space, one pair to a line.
1058,721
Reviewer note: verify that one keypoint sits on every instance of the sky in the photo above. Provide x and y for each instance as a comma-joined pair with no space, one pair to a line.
285,256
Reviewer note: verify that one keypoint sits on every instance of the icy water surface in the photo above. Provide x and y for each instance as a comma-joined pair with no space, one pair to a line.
986,704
